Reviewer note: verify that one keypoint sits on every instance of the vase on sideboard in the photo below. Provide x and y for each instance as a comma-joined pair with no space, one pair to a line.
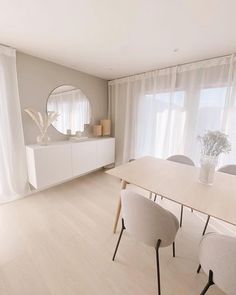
43,139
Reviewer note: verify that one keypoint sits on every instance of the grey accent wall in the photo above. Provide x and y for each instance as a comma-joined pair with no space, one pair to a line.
38,77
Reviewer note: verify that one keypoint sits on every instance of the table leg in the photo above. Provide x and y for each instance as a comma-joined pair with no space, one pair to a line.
123,186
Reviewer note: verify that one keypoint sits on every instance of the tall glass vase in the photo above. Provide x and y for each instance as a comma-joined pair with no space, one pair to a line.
43,139
207,169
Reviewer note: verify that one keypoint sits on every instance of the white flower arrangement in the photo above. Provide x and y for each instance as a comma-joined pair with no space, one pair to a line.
42,122
214,143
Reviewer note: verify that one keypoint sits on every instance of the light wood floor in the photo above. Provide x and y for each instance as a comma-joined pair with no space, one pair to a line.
60,242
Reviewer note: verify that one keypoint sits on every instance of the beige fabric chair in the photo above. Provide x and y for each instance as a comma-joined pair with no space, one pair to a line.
230,169
182,159
217,255
149,223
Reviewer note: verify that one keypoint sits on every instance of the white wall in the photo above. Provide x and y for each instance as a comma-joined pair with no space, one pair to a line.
38,77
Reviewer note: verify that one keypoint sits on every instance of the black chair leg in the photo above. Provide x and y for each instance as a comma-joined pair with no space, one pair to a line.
158,267
155,197
181,216
199,268
173,248
118,242
204,231
209,283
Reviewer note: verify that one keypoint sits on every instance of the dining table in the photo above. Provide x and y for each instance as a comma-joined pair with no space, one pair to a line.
180,183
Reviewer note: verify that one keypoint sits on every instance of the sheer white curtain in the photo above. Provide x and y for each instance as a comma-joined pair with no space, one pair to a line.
160,113
13,171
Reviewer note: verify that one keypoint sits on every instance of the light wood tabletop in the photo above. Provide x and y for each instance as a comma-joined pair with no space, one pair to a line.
179,183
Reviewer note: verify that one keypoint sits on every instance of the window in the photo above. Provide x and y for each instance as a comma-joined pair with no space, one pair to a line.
161,120
211,109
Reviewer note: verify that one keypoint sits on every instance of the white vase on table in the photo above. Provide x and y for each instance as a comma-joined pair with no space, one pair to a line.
207,169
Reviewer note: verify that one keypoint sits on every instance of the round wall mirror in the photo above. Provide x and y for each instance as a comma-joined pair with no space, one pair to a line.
73,107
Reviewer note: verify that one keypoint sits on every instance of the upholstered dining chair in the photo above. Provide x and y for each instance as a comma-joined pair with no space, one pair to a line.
182,159
149,223
230,169
217,255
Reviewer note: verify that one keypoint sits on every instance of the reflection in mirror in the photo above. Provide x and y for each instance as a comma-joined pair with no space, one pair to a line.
73,107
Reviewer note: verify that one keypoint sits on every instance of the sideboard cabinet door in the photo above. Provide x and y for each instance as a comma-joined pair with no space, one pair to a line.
105,151
51,165
83,157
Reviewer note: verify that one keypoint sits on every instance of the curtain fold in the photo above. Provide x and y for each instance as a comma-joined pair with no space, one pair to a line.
13,170
162,112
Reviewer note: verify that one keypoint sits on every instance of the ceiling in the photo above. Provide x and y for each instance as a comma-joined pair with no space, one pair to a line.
111,39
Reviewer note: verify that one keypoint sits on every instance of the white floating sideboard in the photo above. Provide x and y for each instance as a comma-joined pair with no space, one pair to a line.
61,161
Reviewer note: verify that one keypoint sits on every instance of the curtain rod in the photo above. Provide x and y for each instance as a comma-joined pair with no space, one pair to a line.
177,65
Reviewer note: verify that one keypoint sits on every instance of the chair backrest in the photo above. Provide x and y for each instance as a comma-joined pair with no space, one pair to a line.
218,253
230,169
181,159
147,221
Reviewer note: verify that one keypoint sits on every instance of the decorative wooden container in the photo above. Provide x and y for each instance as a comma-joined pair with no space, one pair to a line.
106,127
97,130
